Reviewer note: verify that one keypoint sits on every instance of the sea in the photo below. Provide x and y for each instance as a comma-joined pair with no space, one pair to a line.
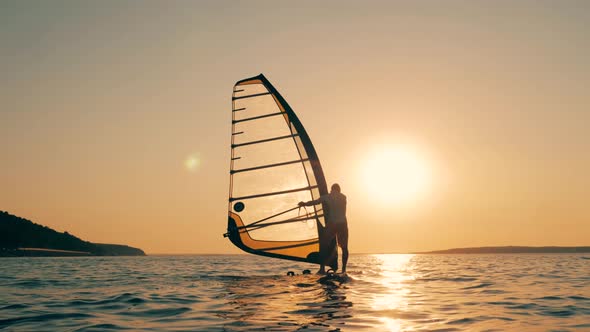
385,292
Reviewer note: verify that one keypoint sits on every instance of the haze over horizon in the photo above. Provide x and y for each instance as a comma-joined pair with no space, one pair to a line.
116,119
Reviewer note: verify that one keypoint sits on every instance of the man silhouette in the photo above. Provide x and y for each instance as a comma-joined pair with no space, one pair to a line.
335,214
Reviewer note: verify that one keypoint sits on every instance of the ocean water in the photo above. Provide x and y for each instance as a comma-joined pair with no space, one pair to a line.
520,292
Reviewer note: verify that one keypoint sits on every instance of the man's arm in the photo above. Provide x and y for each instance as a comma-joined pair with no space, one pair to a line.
311,203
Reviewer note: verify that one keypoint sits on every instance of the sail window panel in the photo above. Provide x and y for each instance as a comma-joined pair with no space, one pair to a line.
269,180
248,89
255,106
310,175
265,154
300,146
309,171
315,193
307,164
260,129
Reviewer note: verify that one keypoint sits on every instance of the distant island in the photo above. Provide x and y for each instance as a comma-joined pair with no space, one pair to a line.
22,237
511,250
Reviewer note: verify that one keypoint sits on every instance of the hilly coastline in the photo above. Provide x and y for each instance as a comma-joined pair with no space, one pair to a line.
22,237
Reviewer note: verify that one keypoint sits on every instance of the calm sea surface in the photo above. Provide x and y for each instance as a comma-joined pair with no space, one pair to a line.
533,292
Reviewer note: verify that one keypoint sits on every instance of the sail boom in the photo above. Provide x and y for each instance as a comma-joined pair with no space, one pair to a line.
280,222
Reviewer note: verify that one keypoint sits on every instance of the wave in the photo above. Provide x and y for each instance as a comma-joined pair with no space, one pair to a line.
44,318
14,306
482,285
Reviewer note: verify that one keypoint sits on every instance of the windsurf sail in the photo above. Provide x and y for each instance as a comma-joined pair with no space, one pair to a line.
273,167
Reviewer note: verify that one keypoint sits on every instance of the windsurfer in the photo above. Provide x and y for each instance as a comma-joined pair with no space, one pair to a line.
335,213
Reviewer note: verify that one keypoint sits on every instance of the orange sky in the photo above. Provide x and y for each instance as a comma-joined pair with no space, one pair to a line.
103,102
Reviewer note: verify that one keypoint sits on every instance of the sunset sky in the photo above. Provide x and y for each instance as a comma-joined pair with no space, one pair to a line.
115,116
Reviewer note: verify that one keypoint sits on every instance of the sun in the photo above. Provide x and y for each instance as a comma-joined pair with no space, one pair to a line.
396,175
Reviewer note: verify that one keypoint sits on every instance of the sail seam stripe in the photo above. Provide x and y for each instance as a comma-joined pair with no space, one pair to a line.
250,96
268,166
264,140
239,109
258,117
290,246
273,193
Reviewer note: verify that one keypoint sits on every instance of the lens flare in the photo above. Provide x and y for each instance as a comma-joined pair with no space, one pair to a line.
192,162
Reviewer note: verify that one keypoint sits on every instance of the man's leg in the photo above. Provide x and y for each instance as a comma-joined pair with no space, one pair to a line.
326,238
344,257
342,236
331,247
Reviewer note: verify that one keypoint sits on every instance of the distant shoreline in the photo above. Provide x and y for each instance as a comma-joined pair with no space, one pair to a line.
511,250
45,252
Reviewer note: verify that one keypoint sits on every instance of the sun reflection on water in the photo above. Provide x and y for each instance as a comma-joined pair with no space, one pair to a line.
394,272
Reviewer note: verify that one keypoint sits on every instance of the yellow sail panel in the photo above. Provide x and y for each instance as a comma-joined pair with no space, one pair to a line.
304,250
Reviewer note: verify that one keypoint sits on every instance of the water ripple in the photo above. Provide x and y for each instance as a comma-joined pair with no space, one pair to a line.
244,293
483,284
42,318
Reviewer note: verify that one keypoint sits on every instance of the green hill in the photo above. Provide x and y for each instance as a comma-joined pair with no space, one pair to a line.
22,237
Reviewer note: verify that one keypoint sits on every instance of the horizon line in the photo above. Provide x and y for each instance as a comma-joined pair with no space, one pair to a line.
381,252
